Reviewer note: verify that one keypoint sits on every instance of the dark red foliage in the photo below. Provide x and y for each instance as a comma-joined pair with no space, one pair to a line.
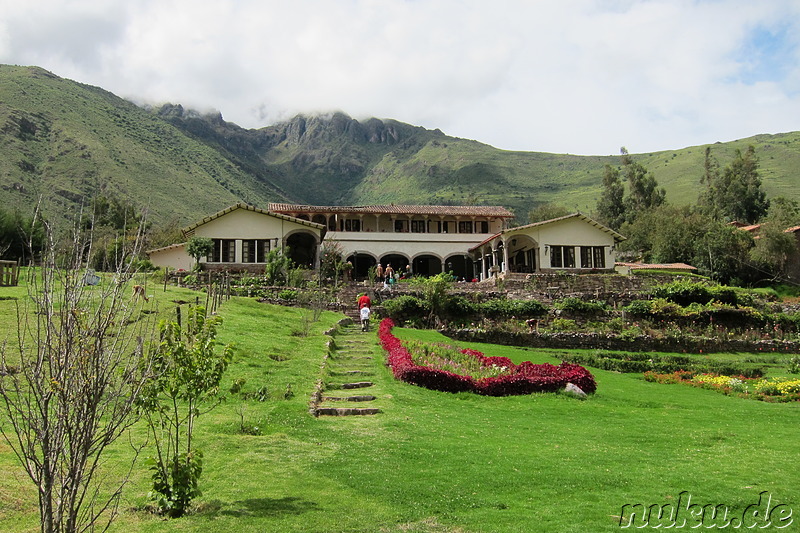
524,378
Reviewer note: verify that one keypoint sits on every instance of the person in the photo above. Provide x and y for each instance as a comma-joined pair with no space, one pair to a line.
379,272
388,276
347,271
365,312
364,301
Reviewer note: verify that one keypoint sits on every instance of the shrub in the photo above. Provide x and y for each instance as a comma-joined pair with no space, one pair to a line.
683,292
579,306
288,294
563,324
404,308
647,362
794,365
638,308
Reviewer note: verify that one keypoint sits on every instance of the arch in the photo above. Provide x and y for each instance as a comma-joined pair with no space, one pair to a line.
302,247
319,219
522,253
362,262
426,265
398,261
461,265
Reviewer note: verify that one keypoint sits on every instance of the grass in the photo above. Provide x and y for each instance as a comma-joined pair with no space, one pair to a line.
437,462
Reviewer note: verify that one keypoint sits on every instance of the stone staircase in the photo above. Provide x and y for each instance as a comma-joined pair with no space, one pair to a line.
347,384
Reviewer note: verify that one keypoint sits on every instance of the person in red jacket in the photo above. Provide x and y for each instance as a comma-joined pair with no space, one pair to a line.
364,301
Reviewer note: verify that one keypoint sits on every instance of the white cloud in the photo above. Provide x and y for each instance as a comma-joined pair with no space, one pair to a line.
574,76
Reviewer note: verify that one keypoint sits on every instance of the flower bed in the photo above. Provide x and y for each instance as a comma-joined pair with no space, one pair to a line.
505,377
778,389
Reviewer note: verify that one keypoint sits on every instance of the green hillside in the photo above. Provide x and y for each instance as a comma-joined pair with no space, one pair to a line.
338,160
65,141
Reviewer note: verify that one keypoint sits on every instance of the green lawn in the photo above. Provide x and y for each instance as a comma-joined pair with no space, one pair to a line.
438,462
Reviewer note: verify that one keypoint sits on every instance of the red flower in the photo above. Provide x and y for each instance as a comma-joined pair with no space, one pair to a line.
524,378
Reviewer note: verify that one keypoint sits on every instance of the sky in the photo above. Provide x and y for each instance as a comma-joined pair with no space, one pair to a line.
567,76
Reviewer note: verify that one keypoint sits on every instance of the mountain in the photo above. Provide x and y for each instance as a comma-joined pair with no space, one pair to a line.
65,141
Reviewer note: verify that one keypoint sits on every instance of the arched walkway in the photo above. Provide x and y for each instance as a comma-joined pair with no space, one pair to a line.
461,266
426,265
398,262
521,254
302,248
361,262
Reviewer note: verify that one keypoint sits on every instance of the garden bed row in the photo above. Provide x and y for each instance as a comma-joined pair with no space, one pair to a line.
524,378
570,341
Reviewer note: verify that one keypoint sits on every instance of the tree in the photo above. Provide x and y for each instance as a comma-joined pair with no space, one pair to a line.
610,205
435,290
277,268
774,246
735,193
199,247
187,373
680,234
722,252
643,190
21,237
706,200
81,365
332,262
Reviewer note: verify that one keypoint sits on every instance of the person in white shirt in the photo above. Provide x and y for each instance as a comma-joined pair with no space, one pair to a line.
365,312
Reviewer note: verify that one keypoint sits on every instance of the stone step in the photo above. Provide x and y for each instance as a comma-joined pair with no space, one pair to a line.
346,411
351,373
362,398
356,385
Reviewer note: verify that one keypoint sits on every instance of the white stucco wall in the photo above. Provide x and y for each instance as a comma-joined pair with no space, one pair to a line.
174,257
245,224
573,232
441,245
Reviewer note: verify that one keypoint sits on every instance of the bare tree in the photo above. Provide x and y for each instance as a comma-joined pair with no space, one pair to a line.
81,364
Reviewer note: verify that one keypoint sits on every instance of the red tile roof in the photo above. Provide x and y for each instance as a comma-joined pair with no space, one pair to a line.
393,209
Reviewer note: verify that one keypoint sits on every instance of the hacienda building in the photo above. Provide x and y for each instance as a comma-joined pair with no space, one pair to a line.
472,242
425,239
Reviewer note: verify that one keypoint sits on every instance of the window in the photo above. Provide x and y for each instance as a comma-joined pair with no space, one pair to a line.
599,255
593,257
255,250
399,226
586,257
562,257
417,226
224,251
465,226
442,226
483,226
352,224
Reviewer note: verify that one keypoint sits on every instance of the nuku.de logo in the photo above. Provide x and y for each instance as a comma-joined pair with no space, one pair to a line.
685,514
